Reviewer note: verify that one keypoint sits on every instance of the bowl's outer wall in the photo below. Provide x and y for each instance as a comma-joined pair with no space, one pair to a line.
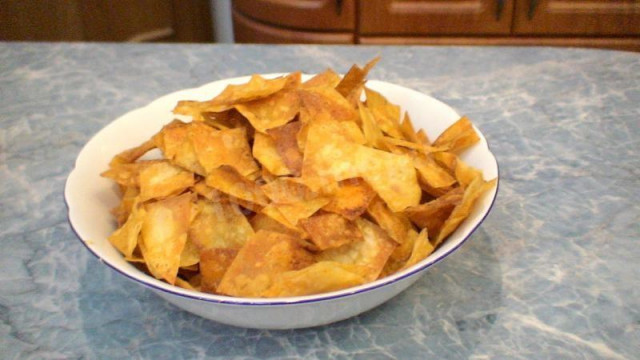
89,198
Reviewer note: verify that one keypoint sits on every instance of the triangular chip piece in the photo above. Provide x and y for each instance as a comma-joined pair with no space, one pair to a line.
372,252
266,152
162,179
325,99
285,139
433,214
464,208
330,230
164,234
257,88
351,198
273,111
227,180
219,225
386,114
321,277
259,261
214,148
125,239
458,137
214,263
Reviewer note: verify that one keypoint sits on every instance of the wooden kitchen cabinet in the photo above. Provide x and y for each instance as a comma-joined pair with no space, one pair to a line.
100,20
294,21
585,23
301,14
435,17
577,17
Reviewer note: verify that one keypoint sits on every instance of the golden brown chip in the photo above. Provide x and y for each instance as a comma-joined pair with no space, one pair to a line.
433,214
407,130
125,238
368,66
293,212
466,174
214,148
327,78
321,277
386,114
330,230
274,213
372,133
397,226
458,137
464,208
372,252
251,206
351,198
423,138
197,109
265,255
219,225
162,179
285,138
272,111
190,254
265,151
353,81
327,155
229,181
127,174
133,154
286,190
122,211
224,120
257,88
410,145
184,284
176,146
422,248
214,263
318,100
164,234
434,179
196,281
262,221
447,160
208,192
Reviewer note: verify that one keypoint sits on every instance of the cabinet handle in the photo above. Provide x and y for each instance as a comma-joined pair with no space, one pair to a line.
533,4
339,7
499,8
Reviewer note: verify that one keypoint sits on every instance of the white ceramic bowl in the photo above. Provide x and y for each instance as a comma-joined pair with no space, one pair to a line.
89,198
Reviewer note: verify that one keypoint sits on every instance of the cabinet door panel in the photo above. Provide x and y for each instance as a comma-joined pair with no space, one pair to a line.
577,17
435,17
101,20
31,20
301,14
127,20
247,30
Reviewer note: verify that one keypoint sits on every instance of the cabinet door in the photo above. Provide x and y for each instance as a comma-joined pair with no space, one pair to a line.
435,17
246,30
100,20
31,20
301,14
577,17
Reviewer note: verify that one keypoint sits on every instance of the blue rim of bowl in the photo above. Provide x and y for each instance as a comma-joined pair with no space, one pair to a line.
260,302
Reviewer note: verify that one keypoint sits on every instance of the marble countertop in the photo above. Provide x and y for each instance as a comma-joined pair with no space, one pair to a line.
553,273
